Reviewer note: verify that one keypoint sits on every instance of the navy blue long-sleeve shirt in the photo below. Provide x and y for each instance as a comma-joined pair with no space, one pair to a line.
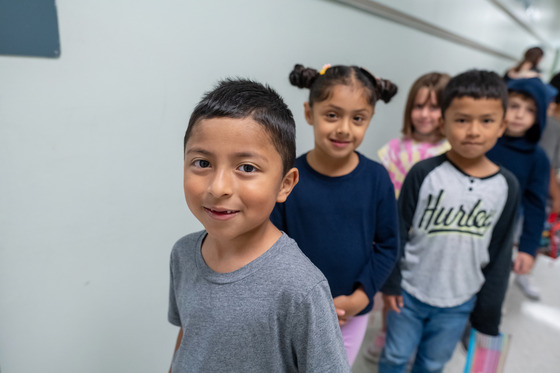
346,225
529,163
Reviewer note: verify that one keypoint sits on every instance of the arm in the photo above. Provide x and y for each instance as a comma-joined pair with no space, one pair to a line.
386,240
350,305
534,205
177,344
487,312
407,206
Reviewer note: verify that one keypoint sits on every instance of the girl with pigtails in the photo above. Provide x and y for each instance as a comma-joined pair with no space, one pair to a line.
343,212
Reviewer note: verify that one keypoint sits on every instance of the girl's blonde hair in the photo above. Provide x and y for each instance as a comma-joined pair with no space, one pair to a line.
435,82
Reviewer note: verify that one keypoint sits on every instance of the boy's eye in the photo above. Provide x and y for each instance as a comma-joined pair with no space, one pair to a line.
488,120
247,168
201,163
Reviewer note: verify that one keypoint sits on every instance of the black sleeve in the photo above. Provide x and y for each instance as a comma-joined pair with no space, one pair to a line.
408,199
487,312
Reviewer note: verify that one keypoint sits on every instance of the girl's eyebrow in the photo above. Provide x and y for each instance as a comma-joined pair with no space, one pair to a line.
331,106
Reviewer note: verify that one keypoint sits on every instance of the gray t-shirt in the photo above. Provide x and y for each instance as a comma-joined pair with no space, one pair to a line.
273,315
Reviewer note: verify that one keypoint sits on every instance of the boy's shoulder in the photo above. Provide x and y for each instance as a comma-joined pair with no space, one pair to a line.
188,243
284,265
425,166
289,267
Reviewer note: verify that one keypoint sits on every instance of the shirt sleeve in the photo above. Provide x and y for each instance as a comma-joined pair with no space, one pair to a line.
533,202
408,200
487,312
315,334
385,248
173,310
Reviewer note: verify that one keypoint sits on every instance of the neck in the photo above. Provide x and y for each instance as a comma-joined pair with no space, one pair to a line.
477,167
225,254
431,138
332,166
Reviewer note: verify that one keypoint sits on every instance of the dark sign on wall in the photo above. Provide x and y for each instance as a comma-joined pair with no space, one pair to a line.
29,28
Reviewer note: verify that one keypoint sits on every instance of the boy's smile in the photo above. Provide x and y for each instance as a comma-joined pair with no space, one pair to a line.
233,178
472,127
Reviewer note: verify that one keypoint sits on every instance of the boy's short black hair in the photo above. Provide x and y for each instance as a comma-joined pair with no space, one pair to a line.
476,84
243,98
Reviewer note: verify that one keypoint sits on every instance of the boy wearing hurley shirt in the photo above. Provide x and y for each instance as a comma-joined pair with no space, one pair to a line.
457,213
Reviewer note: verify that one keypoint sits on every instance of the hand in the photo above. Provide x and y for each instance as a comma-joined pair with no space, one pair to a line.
348,306
393,302
523,263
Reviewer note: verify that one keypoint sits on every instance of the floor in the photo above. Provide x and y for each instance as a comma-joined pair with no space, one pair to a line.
533,325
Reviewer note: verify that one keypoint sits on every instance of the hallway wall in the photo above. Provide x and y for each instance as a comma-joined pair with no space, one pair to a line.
91,196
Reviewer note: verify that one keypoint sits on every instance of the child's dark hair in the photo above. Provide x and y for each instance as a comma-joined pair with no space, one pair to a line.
477,84
555,82
243,98
320,84
533,56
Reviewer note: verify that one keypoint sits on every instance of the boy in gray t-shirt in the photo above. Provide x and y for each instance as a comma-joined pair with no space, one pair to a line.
244,295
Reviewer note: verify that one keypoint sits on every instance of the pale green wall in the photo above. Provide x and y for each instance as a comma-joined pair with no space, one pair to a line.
91,156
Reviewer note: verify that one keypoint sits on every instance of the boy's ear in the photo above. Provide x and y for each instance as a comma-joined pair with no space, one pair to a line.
308,113
288,183
441,124
503,126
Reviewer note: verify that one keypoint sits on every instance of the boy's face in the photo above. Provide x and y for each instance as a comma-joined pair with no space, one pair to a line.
233,177
520,115
472,126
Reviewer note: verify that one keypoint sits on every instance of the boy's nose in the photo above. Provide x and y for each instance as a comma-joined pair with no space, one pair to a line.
221,184
474,129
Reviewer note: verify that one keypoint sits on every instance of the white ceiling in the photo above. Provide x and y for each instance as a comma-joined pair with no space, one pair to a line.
541,16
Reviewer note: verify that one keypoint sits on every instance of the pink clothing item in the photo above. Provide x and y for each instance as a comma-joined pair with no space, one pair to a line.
353,333
400,154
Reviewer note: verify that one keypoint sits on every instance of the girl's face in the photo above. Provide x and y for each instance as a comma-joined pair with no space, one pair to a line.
340,122
425,115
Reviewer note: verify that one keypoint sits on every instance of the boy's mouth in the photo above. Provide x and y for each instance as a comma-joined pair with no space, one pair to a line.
220,213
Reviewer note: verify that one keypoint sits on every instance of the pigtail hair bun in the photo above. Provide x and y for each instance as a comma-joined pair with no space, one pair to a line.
387,89
303,77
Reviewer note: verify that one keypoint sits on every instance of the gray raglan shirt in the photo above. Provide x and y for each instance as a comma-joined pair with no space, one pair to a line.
275,314
456,235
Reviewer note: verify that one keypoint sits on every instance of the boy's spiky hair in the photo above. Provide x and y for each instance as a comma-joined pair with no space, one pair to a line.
476,84
243,98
